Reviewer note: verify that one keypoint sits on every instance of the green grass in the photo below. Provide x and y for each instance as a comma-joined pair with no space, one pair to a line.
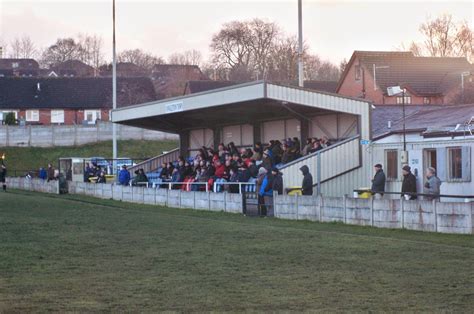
32,158
73,253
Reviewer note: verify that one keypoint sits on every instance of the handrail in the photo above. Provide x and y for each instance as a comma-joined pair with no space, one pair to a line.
320,151
415,194
148,161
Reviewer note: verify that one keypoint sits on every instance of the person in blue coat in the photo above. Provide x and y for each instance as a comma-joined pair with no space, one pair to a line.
266,191
124,176
43,175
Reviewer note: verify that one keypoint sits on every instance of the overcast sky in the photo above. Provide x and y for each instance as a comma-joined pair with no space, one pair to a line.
332,28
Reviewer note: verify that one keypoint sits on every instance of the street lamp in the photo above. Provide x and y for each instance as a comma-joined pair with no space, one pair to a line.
394,91
300,44
114,87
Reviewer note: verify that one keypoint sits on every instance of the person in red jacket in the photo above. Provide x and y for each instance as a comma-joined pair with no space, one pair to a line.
220,169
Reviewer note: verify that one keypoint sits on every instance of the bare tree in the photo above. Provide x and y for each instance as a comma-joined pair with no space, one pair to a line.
140,58
262,39
23,48
244,47
63,50
283,65
91,49
342,65
189,57
443,37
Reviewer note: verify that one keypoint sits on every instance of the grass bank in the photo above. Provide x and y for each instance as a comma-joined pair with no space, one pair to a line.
32,158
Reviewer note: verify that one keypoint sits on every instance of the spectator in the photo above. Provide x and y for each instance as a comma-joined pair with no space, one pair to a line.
316,146
277,181
262,172
3,176
378,182
50,172
43,174
234,178
409,184
257,151
297,147
87,172
140,178
267,162
325,142
266,191
432,185
307,185
101,178
220,169
253,169
307,147
124,176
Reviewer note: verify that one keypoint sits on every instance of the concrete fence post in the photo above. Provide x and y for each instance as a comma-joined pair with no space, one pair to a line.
225,201
208,200
297,206
371,203
7,135
53,137
435,213
29,135
402,210
321,205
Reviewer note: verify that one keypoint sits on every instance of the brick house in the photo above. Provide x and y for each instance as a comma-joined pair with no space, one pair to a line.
426,80
71,68
170,79
18,68
69,100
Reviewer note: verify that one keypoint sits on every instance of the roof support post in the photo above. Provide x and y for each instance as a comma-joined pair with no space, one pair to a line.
217,132
184,144
257,133
304,131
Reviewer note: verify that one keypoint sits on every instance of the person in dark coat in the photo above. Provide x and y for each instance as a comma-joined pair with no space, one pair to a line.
51,173
378,182
3,176
277,181
101,178
307,186
409,183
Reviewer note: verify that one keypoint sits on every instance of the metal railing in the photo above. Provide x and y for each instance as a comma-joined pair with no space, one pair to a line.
154,163
170,185
415,194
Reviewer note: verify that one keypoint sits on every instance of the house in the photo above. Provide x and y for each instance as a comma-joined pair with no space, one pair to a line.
18,68
71,68
170,79
69,100
437,136
124,69
426,80
193,87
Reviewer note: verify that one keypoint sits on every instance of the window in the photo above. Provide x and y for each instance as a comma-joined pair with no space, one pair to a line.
57,116
358,72
91,116
15,65
32,115
455,167
391,162
400,100
426,100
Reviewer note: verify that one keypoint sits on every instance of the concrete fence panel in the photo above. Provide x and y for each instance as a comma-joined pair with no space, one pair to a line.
445,217
69,135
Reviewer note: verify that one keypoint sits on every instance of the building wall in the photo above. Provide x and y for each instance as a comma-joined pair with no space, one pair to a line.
415,146
364,88
71,116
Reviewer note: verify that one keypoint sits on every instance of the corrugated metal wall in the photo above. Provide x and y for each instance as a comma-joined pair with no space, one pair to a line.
334,161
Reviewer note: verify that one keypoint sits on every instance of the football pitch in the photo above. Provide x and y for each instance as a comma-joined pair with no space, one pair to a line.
74,253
